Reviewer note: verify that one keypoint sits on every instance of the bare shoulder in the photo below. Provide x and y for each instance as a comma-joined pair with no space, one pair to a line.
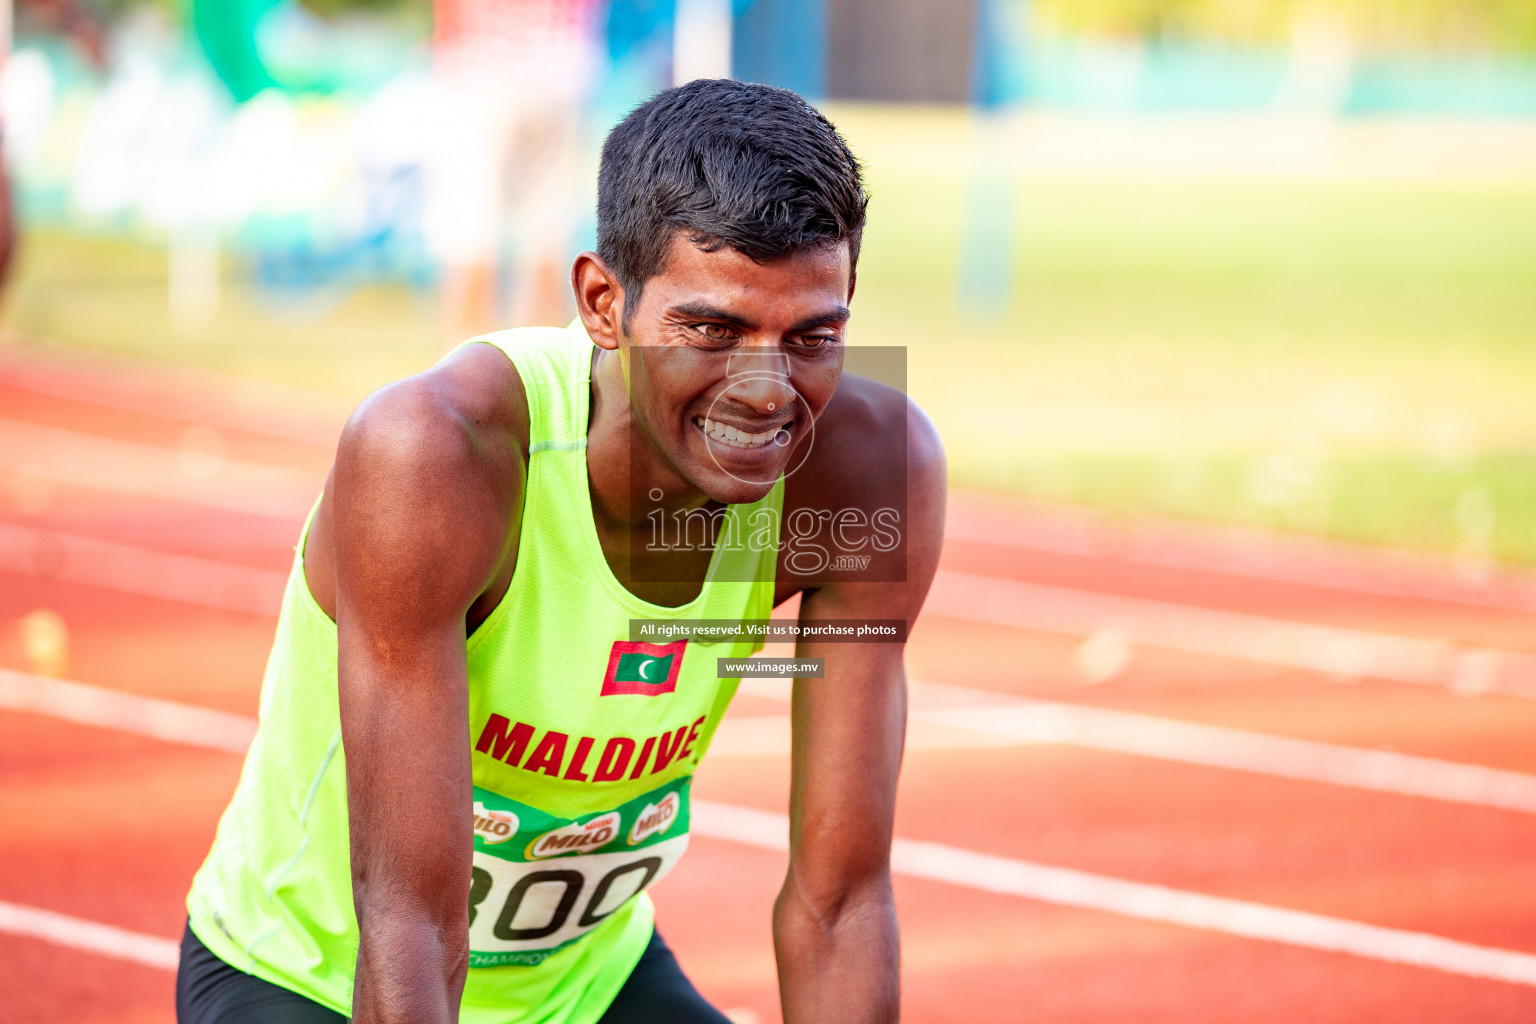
430,469
871,439
475,394
867,505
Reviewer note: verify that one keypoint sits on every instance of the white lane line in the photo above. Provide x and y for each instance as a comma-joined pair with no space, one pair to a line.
1331,650
78,933
965,718
742,735
226,401
258,406
152,471
1236,749
136,570
969,869
933,861
1068,888
1244,552
958,717
1327,649
109,709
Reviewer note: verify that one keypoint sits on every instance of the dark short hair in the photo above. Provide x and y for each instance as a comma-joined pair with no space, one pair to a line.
736,164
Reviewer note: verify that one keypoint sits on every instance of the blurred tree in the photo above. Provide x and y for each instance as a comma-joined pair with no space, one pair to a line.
109,10
330,8
1435,25
78,22
226,29
1443,25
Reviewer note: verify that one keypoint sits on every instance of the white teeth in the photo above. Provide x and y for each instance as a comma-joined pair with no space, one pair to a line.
739,438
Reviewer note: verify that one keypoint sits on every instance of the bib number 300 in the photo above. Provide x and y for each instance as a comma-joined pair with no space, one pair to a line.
521,912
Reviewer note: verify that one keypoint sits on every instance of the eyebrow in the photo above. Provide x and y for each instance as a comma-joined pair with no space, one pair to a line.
831,318
704,311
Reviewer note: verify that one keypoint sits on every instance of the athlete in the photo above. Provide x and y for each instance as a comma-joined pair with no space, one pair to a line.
469,769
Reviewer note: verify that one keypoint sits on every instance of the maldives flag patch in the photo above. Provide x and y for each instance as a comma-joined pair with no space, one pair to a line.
648,669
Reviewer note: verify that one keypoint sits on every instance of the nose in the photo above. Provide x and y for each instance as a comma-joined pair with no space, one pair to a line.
766,394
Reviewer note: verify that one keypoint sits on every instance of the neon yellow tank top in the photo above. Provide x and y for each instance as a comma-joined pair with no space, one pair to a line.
584,745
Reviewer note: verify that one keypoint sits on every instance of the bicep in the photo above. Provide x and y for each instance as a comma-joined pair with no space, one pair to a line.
419,525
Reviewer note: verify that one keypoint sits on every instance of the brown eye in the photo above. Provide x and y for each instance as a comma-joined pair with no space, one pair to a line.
715,332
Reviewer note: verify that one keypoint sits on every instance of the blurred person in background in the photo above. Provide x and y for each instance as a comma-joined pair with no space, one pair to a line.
67,19
57,17
7,219
501,208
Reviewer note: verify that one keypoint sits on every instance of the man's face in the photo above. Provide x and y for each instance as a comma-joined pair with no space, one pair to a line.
729,362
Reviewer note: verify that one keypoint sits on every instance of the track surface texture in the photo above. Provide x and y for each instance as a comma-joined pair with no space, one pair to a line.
154,524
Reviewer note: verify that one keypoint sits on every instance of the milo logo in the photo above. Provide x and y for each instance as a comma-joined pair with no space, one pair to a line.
577,837
494,826
654,819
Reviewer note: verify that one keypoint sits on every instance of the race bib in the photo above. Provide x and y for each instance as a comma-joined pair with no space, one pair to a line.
541,882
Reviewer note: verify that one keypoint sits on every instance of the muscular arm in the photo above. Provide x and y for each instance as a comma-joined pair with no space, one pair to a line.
421,500
835,919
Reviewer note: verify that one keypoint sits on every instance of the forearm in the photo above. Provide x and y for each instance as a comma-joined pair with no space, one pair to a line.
409,795
839,960
409,969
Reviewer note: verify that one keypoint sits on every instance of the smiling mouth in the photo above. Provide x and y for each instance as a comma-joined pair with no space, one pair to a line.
736,438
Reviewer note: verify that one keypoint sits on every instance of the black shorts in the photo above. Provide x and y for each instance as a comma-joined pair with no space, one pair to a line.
210,991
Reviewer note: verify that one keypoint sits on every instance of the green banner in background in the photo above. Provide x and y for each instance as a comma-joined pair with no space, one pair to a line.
226,31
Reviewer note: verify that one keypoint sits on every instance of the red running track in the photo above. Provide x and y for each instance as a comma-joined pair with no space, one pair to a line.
109,827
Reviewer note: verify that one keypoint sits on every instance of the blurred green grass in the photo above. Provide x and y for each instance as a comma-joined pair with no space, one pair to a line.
108,294
1351,359
1346,358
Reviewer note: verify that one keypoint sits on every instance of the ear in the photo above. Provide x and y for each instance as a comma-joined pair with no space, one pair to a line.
599,300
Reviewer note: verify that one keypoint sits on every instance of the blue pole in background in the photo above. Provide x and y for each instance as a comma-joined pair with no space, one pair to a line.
985,281
990,52
783,43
